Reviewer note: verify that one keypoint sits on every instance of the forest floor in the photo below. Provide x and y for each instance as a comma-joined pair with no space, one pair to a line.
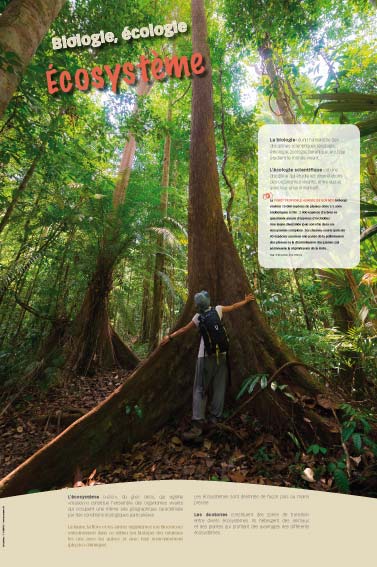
243,452
240,452
37,416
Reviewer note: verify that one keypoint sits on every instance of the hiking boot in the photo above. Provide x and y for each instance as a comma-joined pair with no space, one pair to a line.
194,433
213,420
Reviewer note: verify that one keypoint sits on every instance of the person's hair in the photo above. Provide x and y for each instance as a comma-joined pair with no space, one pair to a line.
202,300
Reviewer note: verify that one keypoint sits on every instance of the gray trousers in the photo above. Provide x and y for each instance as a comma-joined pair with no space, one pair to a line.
210,381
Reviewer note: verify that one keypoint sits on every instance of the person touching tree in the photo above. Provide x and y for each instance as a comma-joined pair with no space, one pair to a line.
212,364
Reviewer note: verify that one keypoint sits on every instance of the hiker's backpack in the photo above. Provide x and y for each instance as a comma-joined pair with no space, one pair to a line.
213,332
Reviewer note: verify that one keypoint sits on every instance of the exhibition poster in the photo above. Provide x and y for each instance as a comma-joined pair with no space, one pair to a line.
188,276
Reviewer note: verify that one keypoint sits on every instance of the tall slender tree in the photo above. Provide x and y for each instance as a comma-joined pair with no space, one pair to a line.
96,344
90,342
159,266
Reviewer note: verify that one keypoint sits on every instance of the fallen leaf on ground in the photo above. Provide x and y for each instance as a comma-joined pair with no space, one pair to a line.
237,476
308,475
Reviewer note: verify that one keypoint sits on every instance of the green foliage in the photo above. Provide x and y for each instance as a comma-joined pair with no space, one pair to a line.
134,409
346,102
138,411
250,383
341,480
359,340
293,437
262,455
316,449
9,62
356,427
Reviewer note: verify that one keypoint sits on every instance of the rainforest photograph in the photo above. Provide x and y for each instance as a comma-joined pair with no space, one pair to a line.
141,337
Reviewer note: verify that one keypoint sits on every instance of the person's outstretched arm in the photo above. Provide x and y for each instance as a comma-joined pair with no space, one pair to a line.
248,298
178,332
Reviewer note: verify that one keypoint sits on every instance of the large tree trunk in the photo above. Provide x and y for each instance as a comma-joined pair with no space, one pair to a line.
93,343
23,24
162,385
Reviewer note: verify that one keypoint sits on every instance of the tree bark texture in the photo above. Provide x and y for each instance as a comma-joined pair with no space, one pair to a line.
159,267
23,24
285,112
